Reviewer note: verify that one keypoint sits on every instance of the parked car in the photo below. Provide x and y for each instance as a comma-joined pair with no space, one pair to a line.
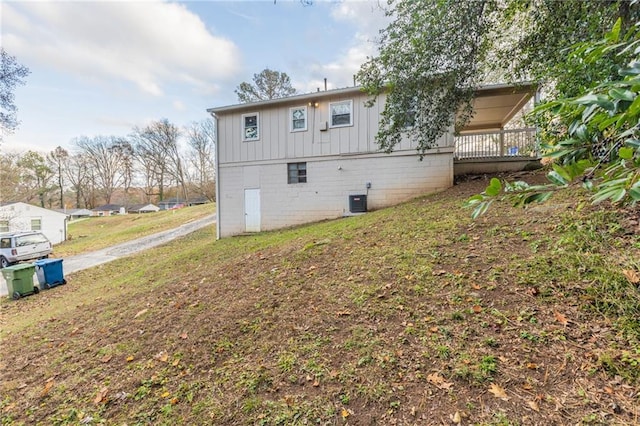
19,246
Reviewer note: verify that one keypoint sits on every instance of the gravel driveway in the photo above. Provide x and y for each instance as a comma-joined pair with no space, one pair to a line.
87,260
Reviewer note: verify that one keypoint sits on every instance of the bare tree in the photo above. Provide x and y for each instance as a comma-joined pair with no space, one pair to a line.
201,138
77,173
156,149
124,151
104,161
57,161
9,177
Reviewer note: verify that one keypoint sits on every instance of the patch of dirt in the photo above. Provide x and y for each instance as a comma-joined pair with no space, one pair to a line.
409,316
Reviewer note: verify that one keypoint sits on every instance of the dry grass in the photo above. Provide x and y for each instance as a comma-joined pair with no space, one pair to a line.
410,315
96,233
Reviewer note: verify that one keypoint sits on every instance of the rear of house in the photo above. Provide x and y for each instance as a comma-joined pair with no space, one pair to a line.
310,157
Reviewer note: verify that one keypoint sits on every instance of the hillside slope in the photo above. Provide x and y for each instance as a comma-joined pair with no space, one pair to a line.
410,315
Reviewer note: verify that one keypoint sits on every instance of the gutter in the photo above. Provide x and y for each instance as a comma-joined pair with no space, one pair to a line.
217,170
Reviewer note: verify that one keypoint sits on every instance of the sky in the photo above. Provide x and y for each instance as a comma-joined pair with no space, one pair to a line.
105,67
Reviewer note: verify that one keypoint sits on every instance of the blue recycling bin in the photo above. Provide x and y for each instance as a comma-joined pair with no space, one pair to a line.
49,272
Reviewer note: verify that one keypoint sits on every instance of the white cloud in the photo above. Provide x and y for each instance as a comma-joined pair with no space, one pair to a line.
367,18
147,43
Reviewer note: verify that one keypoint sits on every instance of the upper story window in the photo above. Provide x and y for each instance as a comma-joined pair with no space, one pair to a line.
4,226
250,127
298,117
341,113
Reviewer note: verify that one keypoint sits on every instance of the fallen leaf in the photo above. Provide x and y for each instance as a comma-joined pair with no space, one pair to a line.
101,396
477,309
47,387
343,313
439,381
608,390
175,362
184,336
533,405
439,272
162,356
106,358
316,383
75,330
632,276
344,413
130,358
476,286
455,418
140,313
165,395
561,318
532,366
498,391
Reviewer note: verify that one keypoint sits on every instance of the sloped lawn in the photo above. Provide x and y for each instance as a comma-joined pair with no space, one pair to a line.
411,315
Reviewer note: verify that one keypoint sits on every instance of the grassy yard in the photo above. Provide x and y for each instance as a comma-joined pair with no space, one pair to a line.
409,315
95,233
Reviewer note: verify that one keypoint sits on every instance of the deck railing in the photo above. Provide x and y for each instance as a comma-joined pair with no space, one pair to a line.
504,143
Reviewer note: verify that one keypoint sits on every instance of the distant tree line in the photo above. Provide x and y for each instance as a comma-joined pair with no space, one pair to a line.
153,163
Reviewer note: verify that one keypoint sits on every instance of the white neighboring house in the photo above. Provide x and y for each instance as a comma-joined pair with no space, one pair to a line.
21,216
310,157
143,208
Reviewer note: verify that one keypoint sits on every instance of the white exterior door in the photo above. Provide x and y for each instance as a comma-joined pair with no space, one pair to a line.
252,210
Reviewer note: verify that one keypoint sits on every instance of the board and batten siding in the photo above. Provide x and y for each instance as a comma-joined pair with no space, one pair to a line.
277,141
340,162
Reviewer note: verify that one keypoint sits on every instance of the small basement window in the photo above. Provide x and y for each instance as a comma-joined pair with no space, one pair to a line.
341,113
297,172
250,127
298,117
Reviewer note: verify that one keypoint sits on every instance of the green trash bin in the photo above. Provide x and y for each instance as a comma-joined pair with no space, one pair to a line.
19,280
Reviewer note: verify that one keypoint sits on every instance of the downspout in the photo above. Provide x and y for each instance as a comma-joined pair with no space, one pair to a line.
217,170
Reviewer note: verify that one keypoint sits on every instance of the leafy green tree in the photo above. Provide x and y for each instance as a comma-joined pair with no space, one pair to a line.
429,63
597,134
11,75
435,52
268,84
35,177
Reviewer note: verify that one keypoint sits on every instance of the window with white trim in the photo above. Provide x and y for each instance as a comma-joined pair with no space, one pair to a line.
4,226
298,118
251,127
341,114
36,224
297,172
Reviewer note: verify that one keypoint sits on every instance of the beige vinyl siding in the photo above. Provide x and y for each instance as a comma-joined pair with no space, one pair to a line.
277,142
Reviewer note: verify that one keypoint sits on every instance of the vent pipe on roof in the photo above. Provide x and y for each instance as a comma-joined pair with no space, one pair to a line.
354,80
325,84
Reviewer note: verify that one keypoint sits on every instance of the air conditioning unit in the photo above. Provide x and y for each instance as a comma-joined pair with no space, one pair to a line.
357,203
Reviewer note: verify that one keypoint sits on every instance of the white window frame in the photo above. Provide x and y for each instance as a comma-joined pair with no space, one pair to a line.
291,119
4,226
244,128
331,104
37,222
